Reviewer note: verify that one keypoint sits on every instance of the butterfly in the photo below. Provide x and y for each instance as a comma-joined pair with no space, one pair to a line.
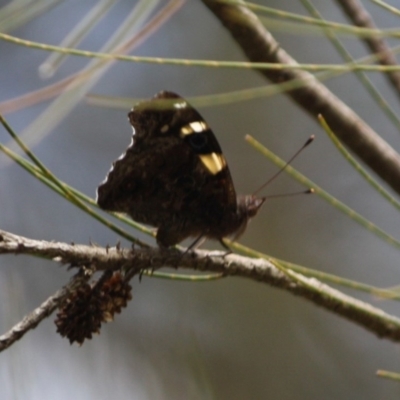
175,177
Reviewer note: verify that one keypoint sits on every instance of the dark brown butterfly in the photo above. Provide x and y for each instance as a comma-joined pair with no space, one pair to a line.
174,176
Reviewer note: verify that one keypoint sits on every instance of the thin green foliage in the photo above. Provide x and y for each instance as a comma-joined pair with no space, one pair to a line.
387,7
48,68
37,169
395,376
183,277
233,96
348,30
202,63
323,194
20,12
357,166
362,76
385,293
61,106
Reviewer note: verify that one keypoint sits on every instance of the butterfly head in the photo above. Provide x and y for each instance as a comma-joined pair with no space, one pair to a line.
247,208
250,204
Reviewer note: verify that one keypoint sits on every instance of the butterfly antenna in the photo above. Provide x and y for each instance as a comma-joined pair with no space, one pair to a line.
308,191
309,140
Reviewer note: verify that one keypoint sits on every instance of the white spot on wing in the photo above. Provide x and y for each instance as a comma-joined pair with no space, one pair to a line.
186,130
181,104
196,126
213,162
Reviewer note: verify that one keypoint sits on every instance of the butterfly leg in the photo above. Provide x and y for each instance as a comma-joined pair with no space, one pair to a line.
197,243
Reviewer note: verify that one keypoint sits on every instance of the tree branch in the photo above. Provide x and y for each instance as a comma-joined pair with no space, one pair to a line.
260,270
355,10
260,46
32,320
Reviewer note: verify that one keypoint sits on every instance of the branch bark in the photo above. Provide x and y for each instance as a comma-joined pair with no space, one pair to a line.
260,46
355,10
96,258
32,320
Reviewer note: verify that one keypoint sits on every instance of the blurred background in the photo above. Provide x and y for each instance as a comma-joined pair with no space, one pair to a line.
226,339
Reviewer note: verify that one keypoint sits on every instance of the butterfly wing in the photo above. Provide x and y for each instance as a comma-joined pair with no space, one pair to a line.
173,175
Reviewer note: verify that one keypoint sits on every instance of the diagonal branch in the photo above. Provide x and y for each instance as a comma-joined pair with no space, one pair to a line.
32,320
260,46
360,17
373,319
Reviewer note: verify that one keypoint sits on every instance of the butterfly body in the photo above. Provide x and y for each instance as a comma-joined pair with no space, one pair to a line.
174,176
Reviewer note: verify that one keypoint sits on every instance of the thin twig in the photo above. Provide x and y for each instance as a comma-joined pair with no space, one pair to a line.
260,46
54,89
373,319
32,320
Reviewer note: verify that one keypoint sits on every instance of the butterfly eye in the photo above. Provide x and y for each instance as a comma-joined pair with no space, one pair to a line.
197,140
